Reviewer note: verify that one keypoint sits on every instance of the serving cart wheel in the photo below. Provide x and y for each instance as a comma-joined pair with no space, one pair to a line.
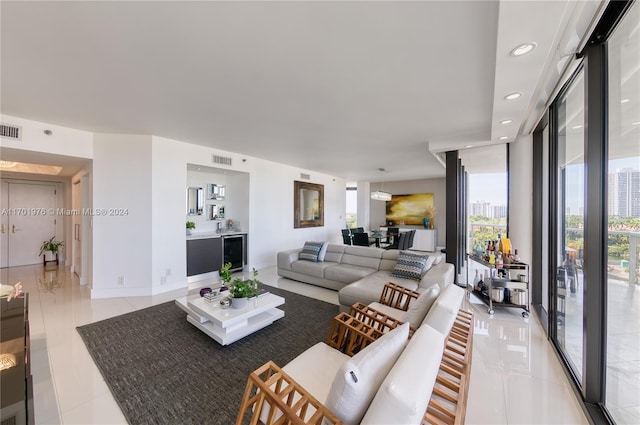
490,311
525,314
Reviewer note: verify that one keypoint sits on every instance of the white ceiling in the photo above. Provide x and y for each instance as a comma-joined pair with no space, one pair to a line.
336,87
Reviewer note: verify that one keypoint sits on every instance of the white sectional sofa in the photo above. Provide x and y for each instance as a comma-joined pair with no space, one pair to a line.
380,383
359,273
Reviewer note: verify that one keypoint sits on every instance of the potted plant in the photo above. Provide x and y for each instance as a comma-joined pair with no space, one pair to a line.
242,289
190,226
50,249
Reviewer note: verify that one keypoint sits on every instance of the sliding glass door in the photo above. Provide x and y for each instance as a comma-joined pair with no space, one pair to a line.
623,217
569,282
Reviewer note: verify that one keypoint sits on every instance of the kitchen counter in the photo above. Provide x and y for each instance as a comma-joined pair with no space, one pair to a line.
209,235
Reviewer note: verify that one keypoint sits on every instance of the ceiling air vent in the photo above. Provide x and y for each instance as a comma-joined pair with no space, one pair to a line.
305,176
11,132
223,160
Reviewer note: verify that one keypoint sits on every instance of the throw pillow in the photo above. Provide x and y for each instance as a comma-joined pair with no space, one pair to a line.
430,263
323,251
359,378
409,266
310,251
419,307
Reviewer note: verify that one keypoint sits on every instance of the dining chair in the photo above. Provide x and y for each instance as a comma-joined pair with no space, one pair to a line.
361,239
392,236
399,242
346,236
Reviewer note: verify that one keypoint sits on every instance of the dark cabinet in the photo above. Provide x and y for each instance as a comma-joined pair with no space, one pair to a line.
204,255
16,384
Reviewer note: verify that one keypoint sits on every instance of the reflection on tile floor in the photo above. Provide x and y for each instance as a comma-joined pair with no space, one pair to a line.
516,378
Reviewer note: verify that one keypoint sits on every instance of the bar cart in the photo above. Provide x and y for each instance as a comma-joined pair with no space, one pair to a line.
506,285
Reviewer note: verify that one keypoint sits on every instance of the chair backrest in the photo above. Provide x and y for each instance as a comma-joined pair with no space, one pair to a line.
346,239
402,240
345,232
361,239
412,235
357,230
392,234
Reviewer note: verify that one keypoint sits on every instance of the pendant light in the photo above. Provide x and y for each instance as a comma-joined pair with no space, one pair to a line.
381,195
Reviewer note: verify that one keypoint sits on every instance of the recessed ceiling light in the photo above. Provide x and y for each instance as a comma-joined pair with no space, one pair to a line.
635,123
506,121
575,127
625,100
503,138
468,146
512,96
523,49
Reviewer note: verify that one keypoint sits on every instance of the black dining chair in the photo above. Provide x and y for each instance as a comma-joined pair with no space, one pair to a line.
361,239
392,236
409,242
346,236
357,230
399,242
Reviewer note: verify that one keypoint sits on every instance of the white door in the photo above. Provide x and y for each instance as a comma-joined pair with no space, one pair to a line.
77,223
31,220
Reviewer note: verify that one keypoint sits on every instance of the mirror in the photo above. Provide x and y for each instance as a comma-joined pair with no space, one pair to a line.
195,200
308,204
216,191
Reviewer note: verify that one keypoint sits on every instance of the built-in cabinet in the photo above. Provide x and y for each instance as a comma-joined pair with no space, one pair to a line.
207,253
204,255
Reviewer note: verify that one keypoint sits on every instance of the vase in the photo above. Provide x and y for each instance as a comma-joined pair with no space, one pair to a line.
425,222
239,303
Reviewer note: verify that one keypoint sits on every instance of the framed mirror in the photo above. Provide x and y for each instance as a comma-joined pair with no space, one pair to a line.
308,204
195,200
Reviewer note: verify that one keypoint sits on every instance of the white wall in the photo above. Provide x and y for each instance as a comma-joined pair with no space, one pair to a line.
435,186
265,210
122,244
63,141
521,196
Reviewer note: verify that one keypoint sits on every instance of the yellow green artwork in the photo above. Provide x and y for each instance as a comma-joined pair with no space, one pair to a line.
410,210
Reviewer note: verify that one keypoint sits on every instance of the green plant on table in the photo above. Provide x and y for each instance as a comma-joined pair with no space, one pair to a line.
191,225
240,288
51,245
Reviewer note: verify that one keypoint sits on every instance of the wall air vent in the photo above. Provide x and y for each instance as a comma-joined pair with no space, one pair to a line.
305,176
223,160
11,132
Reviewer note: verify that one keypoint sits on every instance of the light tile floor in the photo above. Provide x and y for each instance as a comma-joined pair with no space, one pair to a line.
516,378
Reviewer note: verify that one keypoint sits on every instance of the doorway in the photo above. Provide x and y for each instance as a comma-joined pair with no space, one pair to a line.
28,219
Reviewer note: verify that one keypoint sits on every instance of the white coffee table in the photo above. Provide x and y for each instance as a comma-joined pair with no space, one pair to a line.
229,325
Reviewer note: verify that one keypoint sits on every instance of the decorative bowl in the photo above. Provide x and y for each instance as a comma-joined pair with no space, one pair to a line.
204,291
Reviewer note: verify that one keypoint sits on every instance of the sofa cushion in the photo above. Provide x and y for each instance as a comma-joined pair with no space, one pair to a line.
311,251
368,289
409,266
396,313
419,307
310,268
445,310
404,394
389,259
358,379
334,252
347,273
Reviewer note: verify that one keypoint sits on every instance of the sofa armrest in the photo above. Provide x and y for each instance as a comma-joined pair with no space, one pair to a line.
375,318
285,258
442,274
349,334
397,296
269,387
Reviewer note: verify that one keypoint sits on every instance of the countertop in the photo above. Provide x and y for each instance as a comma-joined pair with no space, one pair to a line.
209,235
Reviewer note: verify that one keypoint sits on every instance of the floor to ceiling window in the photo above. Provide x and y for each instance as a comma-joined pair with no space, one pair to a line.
570,284
623,208
486,169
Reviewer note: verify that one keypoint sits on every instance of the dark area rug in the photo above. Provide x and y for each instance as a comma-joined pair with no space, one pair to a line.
162,370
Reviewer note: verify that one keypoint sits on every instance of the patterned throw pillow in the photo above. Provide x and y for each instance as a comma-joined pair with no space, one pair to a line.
409,266
311,251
